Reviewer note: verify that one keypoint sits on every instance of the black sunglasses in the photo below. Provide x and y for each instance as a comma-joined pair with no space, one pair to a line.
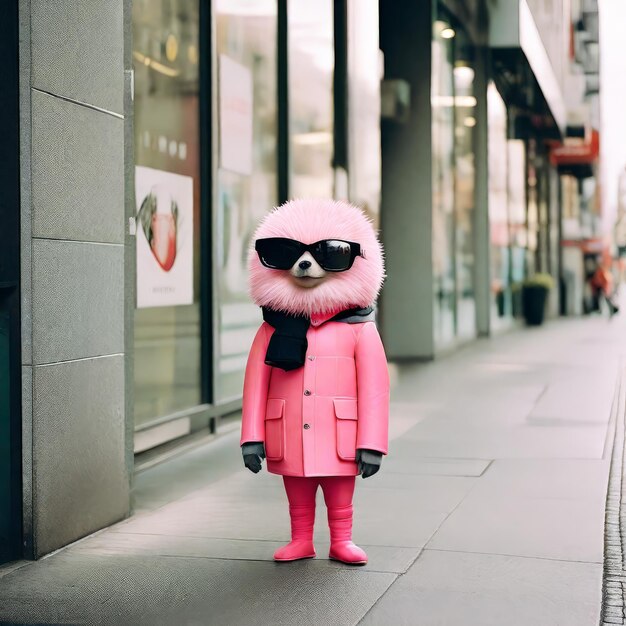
333,255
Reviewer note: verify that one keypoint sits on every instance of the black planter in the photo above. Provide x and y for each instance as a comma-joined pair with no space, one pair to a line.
534,300
500,303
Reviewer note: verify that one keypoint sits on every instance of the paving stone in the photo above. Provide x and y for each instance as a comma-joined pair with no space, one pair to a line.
460,589
381,558
155,590
525,508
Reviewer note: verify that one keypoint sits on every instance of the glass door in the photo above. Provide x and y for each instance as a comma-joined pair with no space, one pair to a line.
453,180
166,54
499,227
443,182
464,172
311,65
246,40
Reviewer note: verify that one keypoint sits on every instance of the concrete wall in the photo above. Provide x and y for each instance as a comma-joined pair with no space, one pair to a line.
406,218
406,206
75,166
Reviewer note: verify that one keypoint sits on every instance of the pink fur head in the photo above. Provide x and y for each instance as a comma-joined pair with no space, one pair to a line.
308,221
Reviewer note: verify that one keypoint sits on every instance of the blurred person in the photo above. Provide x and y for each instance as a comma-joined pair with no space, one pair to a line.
603,283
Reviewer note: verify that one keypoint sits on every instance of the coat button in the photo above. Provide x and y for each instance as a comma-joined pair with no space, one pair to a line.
311,358
307,392
307,426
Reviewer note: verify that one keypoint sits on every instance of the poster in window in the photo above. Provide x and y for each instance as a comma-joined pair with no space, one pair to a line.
164,205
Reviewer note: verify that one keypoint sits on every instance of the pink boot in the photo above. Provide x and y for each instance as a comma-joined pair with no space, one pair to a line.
295,550
301,544
341,546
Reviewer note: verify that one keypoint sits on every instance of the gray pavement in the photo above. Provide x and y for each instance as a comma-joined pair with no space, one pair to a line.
488,511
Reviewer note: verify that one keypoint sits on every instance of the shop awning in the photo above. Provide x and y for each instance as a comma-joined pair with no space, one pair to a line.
577,152
518,49
576,157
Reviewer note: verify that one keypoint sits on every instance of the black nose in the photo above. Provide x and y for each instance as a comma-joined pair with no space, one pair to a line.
304,265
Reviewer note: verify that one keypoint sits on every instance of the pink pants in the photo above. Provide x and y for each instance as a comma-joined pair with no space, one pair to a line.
338,492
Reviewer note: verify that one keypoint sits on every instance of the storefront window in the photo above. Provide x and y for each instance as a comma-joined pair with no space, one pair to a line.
500,280
543,206
453,125
311,63
532,208
538,209
247,166
442,99
465,122
167,155
364,106
517,217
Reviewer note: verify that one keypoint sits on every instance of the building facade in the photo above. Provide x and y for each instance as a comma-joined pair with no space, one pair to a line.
154,134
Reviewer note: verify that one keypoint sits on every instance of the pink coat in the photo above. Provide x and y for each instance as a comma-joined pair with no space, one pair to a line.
313,419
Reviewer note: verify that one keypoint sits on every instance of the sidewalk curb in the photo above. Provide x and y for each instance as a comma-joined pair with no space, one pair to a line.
614,570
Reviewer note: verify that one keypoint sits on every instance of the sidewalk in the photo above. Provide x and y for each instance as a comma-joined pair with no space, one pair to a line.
488,511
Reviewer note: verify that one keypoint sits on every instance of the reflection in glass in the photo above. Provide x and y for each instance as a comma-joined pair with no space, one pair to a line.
167,339
465,122
517,217
500,279
453,126
442,100
246,184
543,225
311,63
364,106
532,215
538,185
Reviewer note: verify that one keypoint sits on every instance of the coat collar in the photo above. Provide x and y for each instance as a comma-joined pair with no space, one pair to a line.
354,315
317,319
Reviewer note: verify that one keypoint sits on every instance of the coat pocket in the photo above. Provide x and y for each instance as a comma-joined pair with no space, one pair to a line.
275,429
346,414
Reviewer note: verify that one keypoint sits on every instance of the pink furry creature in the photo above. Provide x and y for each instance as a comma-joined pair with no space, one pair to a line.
316,389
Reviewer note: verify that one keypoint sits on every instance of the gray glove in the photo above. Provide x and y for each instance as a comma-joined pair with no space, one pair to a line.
253,453
369,462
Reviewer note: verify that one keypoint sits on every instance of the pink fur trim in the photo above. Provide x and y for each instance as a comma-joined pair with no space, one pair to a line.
310,220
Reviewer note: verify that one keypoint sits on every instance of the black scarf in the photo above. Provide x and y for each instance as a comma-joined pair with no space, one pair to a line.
288,344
